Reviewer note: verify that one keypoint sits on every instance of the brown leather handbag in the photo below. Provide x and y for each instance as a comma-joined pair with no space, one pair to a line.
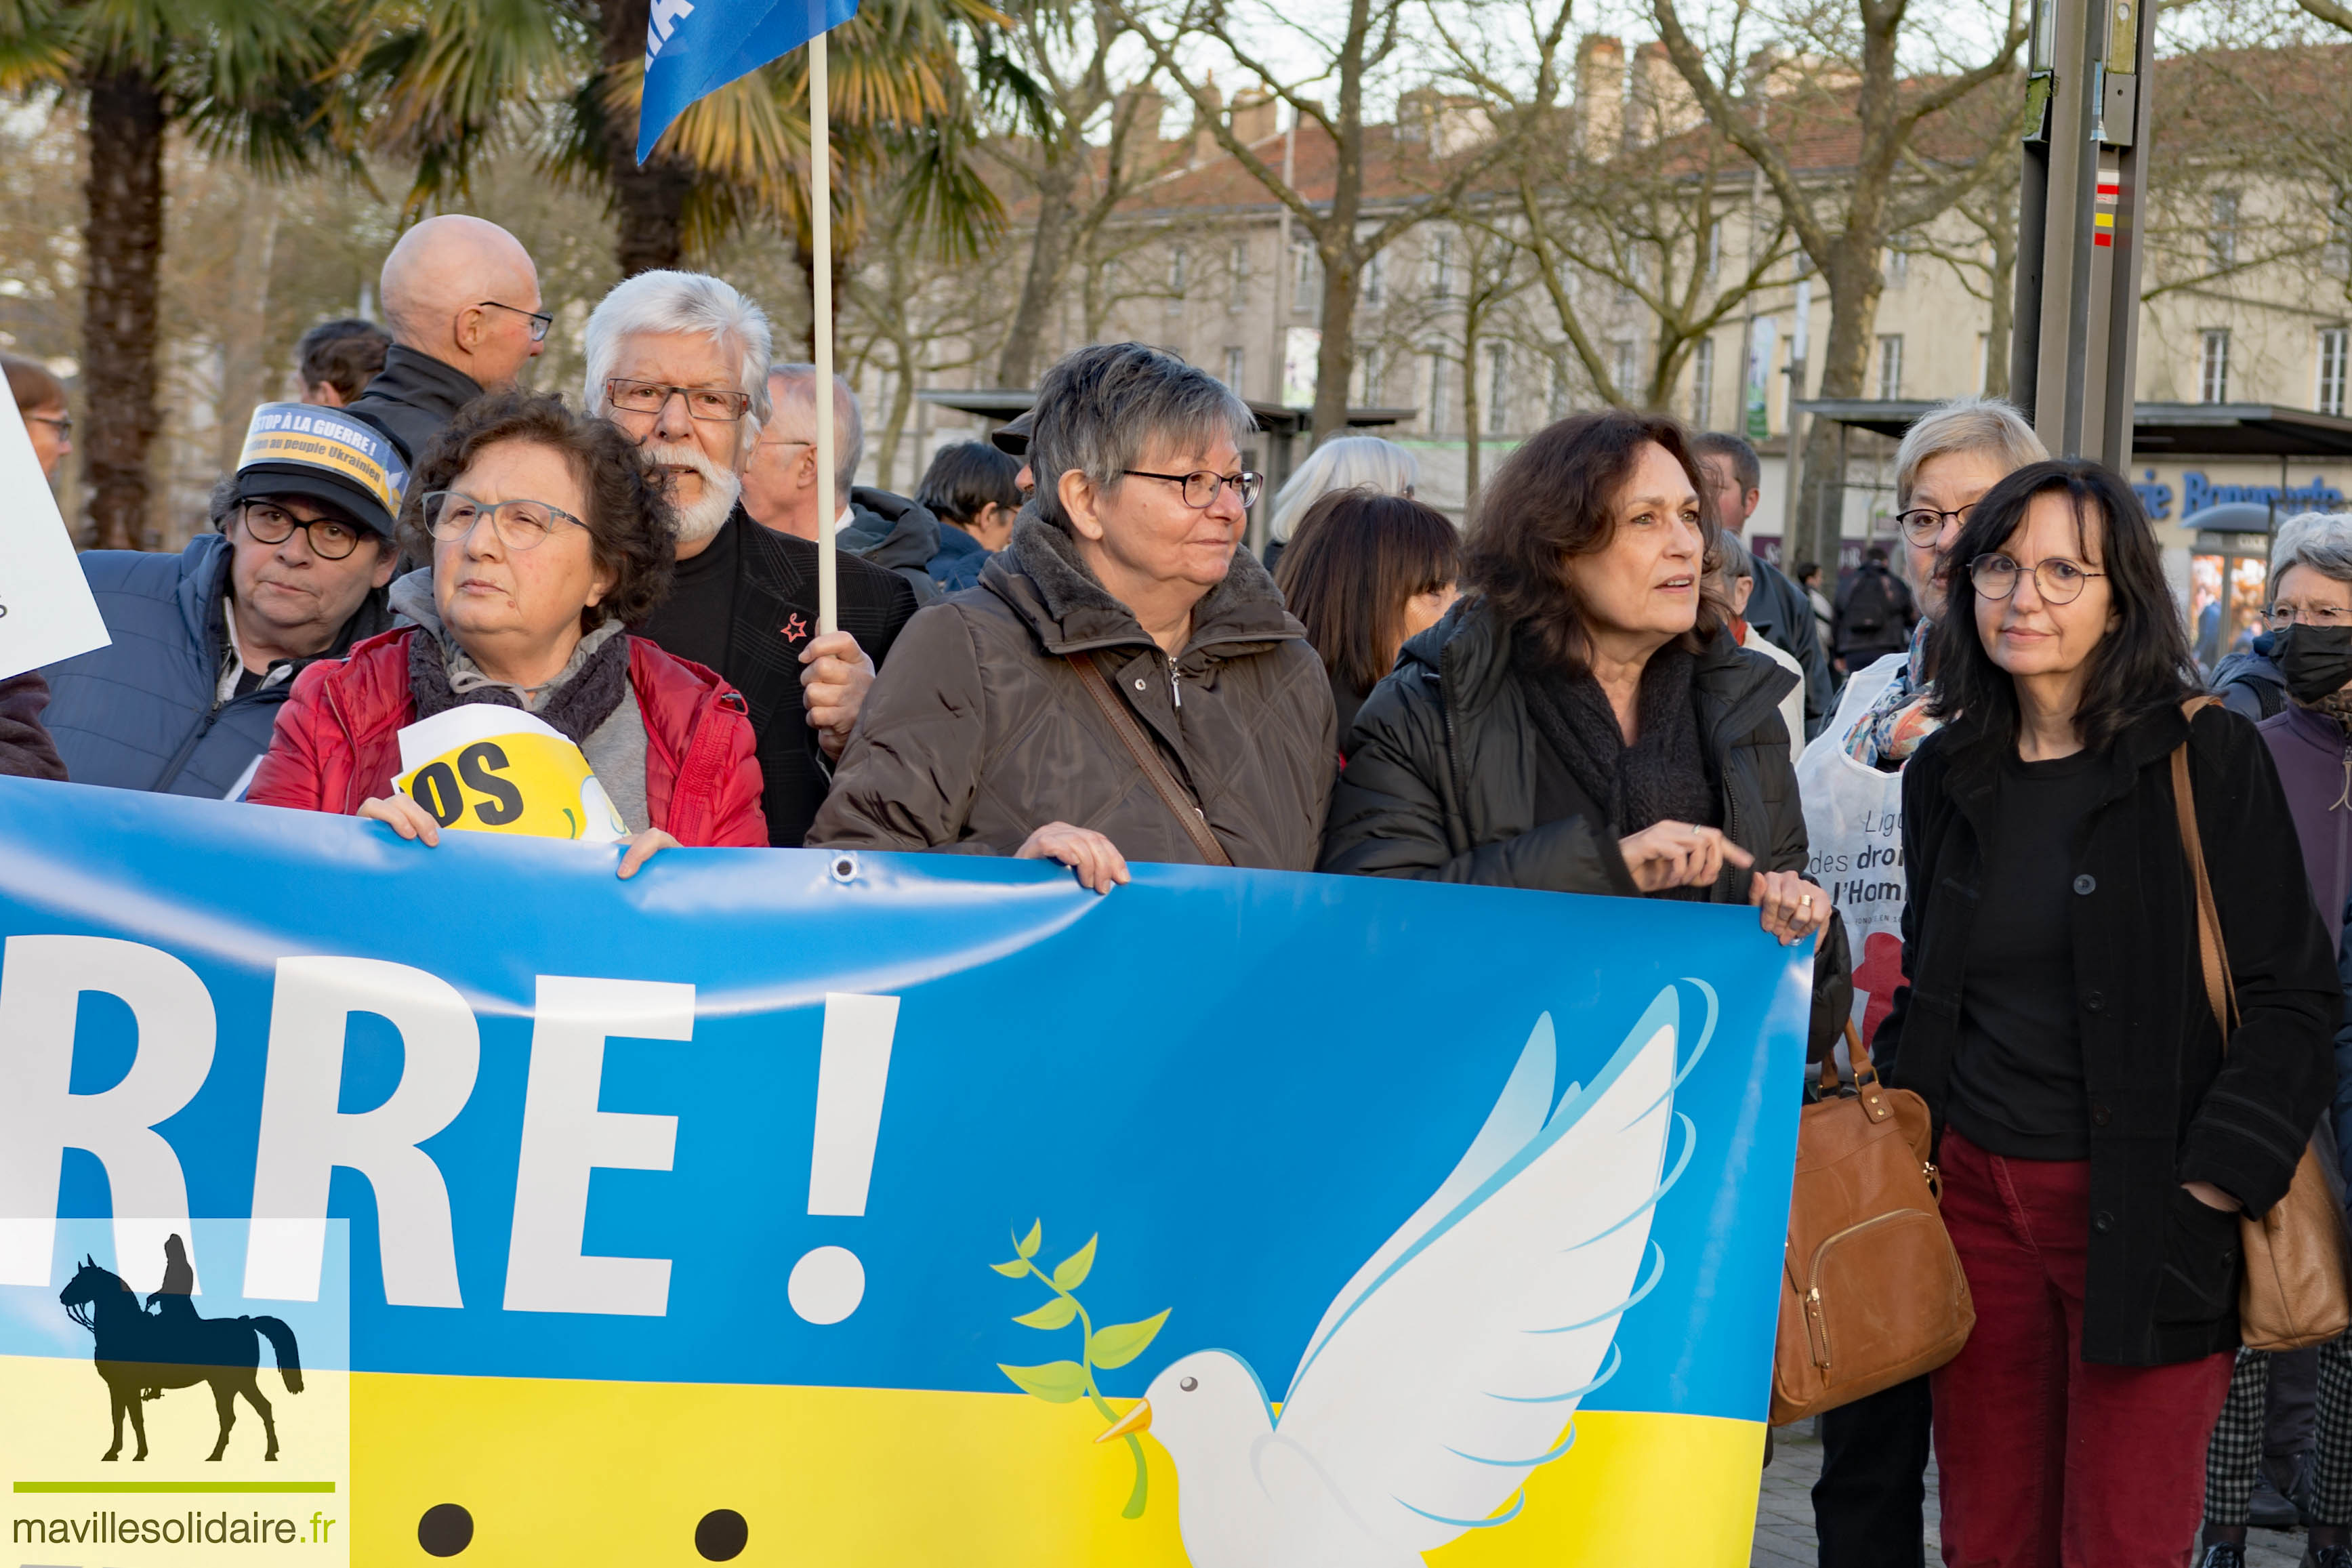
1871,1291
2294,1291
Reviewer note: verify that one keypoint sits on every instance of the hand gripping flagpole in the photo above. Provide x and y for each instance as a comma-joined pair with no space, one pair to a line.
821,284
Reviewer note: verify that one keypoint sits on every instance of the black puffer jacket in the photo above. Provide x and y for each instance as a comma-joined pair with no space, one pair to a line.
2167,1106
1441,783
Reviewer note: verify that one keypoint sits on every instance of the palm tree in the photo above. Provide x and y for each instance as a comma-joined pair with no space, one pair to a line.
455,77
243,77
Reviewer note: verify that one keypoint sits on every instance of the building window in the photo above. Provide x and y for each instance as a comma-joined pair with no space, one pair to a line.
1237,267
2335,351
1498,388
1626,365
1235,361
1176,272
1556,399
1303,289
1890,365
1899,262
2335,255
2221,237
1440,269
1370,370
1702,382
1438,409
2213,365
1714,251
1376,277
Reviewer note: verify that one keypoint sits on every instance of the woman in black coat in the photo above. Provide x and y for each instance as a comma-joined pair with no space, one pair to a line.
2098,1138
1583,722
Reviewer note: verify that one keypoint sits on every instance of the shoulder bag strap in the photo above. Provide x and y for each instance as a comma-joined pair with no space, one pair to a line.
2220,994
1171,793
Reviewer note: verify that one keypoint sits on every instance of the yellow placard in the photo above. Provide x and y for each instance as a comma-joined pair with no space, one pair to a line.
491,769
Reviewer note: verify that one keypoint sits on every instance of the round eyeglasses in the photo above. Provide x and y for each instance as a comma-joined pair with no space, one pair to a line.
2058,580
1201,487
519,525
330,537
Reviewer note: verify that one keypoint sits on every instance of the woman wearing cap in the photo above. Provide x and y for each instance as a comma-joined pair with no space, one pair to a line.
547,536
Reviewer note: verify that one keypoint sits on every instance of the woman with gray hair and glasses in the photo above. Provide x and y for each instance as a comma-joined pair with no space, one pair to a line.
1124,683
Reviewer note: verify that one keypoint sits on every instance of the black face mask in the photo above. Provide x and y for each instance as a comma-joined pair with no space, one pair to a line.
2316,661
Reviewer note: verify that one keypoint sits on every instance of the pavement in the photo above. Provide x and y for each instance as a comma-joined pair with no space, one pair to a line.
1784,1512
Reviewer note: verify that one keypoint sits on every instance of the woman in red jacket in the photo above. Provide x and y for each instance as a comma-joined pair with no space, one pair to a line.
547,537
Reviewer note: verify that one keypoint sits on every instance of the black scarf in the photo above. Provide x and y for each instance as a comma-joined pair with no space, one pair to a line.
575,708
1662,776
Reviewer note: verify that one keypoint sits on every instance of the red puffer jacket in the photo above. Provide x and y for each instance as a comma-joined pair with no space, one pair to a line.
337,743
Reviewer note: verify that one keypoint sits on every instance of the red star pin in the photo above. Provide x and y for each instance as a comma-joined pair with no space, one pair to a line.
795,629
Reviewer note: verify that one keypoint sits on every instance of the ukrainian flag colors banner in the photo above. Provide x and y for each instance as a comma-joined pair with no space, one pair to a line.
805,1208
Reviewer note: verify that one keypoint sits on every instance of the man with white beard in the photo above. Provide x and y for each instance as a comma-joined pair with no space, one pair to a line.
679,361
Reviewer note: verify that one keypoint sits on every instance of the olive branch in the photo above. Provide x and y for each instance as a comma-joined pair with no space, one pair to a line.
1112,1346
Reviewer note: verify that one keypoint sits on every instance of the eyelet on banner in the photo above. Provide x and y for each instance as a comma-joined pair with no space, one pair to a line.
843,869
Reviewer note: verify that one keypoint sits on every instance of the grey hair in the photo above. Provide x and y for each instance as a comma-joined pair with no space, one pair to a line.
1099,408
1737,563
661,301
2319,540
1343,463
1965,424
796,419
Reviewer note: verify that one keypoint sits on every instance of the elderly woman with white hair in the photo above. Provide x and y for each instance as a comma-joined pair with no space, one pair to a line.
679,362
1343,463
1124,683
1869,1503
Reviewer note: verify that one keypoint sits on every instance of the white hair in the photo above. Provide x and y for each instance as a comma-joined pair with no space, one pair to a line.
795,415
662,301
1965,424
1343,463
2319,540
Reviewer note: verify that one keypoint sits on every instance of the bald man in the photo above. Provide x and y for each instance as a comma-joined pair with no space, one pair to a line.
461,298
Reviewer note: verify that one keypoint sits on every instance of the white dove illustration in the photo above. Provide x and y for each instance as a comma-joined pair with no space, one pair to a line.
1450,1367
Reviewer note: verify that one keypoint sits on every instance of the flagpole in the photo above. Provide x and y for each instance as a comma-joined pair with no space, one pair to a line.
820,282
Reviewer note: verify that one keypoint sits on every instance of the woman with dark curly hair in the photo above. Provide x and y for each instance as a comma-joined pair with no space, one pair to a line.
548,538
1581,721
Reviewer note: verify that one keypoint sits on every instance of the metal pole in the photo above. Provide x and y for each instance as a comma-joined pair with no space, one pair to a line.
821,282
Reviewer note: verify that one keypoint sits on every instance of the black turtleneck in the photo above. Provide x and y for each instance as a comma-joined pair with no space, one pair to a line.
698,617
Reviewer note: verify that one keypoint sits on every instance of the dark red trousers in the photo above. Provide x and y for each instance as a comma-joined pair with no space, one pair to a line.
2048,1460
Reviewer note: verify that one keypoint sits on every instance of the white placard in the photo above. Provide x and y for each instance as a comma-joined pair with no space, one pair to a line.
46,610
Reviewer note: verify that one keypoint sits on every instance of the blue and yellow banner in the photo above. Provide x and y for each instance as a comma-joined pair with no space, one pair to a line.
805,1208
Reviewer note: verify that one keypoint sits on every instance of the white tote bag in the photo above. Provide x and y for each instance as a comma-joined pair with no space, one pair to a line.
1853,828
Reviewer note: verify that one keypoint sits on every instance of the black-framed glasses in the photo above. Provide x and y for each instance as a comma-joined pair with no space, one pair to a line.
519,524
2056,579
715,403
2309,615
61,423
331,538
1201,487
540,319
1923,525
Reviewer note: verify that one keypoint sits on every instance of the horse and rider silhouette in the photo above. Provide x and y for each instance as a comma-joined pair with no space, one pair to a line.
141,1351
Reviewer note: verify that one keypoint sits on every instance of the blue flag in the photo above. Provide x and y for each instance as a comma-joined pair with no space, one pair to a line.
693,47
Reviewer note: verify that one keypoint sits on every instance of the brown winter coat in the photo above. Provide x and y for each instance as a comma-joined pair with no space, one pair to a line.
978,732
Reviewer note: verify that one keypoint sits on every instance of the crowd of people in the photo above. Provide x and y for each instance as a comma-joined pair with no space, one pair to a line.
1061,649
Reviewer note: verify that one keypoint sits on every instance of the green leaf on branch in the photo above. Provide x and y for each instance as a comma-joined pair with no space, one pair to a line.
1056,1313
1072,1271
1028,1245
1012,1271
1116,1345
1056,1381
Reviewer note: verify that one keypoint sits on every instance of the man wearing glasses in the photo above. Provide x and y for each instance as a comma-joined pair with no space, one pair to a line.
207,642
461,297
678,360
1124,684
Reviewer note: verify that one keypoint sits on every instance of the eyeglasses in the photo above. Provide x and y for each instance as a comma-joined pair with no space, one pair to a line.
331,538
714,403
61,423
2056,579
1201,487
540,319
1923,525
519,525
2309,615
